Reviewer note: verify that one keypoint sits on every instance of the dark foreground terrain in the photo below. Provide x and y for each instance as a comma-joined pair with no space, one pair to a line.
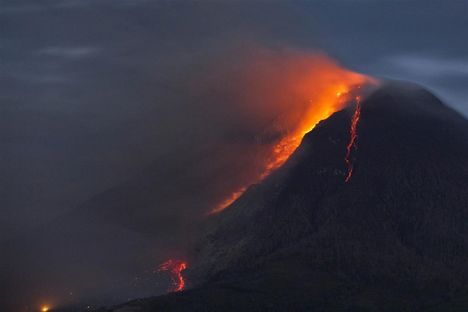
393,238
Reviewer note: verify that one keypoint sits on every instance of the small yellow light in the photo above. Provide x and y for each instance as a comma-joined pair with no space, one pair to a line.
45,308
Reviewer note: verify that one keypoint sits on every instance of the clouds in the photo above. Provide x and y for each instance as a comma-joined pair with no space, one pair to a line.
75,52
429,67
445,76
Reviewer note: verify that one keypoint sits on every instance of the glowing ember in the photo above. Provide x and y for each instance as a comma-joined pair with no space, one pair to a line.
353,137
303,91
229,200
175,267
45,308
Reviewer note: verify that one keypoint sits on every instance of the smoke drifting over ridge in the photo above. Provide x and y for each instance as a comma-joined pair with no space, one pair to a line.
280,96
255,108
229,115
237,112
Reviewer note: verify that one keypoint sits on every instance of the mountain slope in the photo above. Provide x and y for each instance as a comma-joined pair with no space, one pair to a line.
395,237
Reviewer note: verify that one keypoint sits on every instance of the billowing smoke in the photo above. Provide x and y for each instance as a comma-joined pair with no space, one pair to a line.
228,123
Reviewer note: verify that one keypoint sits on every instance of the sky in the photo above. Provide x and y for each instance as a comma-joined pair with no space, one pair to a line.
94,94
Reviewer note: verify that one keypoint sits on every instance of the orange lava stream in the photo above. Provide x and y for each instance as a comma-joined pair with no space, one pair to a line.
175,267
353,137
303,91
283,149
226,202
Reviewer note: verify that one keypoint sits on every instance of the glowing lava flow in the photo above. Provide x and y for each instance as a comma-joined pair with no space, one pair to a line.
175,267
288,144
287,96
334,99
352,138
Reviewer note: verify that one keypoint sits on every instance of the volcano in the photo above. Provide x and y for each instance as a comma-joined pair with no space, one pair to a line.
394,237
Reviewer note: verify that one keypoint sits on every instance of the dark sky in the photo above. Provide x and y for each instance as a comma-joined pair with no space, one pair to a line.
95,92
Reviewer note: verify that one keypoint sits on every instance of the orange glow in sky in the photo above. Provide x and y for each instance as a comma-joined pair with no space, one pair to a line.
302,90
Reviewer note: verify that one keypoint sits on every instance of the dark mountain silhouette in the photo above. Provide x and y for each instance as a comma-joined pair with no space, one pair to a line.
393,238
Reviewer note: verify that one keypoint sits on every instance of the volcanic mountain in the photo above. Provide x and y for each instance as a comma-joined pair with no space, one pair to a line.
394,237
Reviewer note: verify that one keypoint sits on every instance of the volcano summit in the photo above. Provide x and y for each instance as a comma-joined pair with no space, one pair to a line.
392,238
